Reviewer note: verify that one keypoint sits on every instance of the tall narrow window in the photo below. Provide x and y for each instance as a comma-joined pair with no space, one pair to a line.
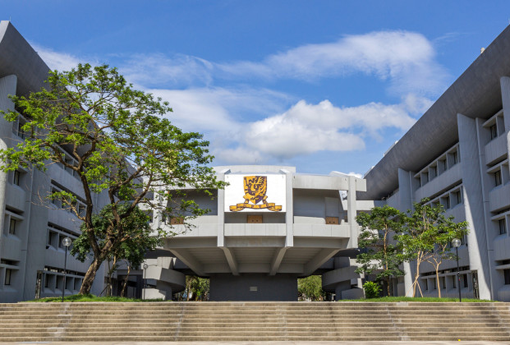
8,276
12,226
494,131
497,178
507,276
465,280
455,158
454,282
16,177
502,226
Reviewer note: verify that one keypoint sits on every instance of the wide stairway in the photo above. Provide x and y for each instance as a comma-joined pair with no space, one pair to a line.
250,321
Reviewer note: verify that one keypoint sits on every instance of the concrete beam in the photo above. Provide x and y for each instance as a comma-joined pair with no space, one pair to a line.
189,260
231,260
317,261
277,260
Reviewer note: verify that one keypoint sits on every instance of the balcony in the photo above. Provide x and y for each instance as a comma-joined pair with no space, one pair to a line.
439,183
15,197
495,150
499,197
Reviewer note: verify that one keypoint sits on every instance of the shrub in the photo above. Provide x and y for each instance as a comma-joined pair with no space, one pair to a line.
372,289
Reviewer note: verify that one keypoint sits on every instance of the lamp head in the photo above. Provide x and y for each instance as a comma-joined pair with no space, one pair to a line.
66,241
456,243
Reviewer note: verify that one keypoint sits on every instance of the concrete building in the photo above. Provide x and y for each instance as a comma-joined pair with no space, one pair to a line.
457,155
268,227
272,225
31,250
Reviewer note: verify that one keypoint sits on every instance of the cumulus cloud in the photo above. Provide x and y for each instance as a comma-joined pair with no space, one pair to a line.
249,125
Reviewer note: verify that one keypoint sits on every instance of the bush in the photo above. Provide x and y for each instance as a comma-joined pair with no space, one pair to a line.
372,289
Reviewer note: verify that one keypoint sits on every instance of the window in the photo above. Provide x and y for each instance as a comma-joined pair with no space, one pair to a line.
502,226
443,282
465,280
46,281
454,281
507,276
425,284
434,284
457,197
254,219
12,226
16,177
494,131
497,178
8,276
455,158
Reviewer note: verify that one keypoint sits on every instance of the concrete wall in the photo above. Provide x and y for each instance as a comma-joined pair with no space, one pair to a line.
254,287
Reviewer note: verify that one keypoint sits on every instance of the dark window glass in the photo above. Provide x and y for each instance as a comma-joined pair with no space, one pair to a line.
497,178
8,275
502,226
494,131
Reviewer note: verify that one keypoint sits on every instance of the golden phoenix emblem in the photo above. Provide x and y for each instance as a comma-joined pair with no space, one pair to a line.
255,189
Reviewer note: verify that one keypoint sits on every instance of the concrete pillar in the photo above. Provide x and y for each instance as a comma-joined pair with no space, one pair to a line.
7,87
475,202
406,197
221,209
352,212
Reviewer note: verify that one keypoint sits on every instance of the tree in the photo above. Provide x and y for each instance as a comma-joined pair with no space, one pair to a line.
380,253
139,238
311,288
121,146
426,238
197,289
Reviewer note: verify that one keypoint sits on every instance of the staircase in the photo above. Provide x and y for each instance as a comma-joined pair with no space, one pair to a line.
254,321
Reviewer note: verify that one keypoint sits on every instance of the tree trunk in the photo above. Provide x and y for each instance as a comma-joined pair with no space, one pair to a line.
125,282
437,282
88,280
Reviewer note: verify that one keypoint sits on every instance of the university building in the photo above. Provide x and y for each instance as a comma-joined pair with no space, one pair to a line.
272,224
457,155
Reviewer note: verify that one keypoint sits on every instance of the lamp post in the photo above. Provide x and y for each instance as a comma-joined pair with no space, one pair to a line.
456,245
144,279
66,242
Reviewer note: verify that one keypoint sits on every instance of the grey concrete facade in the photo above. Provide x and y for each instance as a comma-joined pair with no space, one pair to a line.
255,253
457,155
31,254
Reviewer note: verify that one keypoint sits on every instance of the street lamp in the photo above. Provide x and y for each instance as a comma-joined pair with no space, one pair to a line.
144,279
66,242
456,244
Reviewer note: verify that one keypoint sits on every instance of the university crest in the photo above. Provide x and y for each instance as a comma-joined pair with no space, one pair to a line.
255,188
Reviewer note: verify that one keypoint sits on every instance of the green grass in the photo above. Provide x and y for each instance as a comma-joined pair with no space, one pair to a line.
415,299
92,298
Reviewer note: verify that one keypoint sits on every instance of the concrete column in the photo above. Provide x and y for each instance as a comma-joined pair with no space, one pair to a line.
406,197
505,97
475,202
221,209
352,212
289,215
7,87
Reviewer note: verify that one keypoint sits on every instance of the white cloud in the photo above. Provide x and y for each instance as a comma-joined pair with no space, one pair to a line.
56,60
257,125
407,59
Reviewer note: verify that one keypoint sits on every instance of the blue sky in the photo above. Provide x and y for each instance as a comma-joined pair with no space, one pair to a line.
323,85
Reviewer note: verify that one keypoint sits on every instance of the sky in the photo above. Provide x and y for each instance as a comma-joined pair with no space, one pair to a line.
324,85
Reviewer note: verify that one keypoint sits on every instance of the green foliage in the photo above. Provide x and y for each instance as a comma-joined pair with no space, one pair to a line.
372,289
121,146
310,288
427,235
379,254
134,234
197,289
